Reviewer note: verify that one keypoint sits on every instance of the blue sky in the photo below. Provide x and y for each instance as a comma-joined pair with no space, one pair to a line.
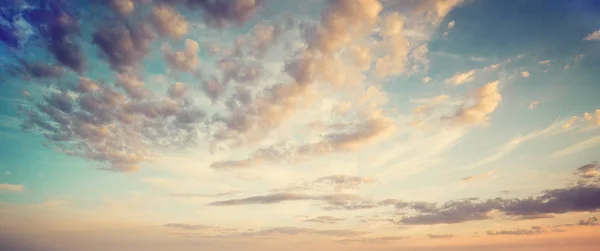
414,125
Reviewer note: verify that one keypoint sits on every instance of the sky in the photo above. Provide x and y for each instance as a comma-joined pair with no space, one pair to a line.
266,125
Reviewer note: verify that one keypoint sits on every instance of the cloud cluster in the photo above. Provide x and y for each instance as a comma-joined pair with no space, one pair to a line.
117,127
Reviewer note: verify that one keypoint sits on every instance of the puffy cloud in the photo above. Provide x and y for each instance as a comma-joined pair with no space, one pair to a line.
185,60
132,86
168,22
545,62
88,85
486,100
122,7
342,22
61,36
324,220
593,36
124,45
525,74
461,78
11,187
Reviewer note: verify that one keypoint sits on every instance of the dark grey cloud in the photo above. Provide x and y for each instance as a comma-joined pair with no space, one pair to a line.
124,45
40,70
556,201
62,44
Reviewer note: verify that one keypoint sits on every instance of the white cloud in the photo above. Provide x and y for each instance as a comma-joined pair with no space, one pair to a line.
461,78
451,24
593,36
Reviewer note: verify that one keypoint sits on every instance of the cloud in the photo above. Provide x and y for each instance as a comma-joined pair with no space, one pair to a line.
11,187
264,199
451,24
124,45
593,36
533,231
525,74
514,143
168,22
461,78
192,195
186,60
61,33
336,183
579,198
589,171
485,101
440,236
221,13
324,220
594,122
188,227
122,7
593,221
578,147
41,70
533,104
355,136
483,175
334,31
545,62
